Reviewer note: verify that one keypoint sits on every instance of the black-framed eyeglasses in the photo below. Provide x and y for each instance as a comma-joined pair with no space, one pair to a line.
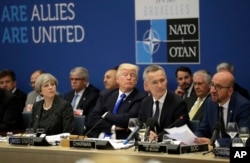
218,87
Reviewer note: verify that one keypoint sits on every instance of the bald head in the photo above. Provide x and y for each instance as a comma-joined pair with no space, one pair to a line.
224,77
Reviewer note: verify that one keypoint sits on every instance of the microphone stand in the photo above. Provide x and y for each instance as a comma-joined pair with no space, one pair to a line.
137,139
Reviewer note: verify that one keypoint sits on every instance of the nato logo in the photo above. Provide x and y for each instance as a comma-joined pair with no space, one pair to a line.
167,41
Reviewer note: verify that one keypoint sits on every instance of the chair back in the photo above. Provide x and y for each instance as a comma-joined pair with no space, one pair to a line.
26,116
79,124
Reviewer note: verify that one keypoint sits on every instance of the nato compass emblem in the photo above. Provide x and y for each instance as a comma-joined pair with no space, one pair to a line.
151,41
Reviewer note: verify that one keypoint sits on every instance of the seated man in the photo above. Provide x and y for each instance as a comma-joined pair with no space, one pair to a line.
224,66
202,81
223,106
185,87
33,96
110,79
10,117
163,105
83,95
113,116
8,82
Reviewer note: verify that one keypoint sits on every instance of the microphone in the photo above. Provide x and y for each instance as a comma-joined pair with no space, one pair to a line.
150,124
180,118
131,135
97,123
216,130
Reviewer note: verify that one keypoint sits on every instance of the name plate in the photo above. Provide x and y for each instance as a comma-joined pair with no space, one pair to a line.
19,140
152,147
221,152
82,144
179,149
194,148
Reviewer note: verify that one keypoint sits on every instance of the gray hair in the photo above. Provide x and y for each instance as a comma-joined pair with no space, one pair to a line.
225,66
205,74
152,68
43,78
81,71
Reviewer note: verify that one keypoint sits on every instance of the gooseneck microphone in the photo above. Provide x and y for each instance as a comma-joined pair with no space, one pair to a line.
97,123
180,118
132,134
217,128
150,125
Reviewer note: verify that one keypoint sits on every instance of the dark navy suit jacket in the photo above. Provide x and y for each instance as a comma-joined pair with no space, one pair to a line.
238,111
105,103
88,98
173,107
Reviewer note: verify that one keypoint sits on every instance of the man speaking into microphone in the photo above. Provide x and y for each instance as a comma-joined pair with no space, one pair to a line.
167,108
225,105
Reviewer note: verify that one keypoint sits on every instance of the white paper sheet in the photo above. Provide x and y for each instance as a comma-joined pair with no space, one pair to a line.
183,134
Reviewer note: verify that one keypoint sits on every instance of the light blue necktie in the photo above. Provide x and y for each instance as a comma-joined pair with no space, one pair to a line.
73,103
118,103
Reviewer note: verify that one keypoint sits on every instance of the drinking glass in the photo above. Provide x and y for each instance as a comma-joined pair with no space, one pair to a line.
244,134
132,123
237,142
40,131
232,129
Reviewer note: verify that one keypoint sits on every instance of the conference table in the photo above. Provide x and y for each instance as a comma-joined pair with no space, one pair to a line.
56,154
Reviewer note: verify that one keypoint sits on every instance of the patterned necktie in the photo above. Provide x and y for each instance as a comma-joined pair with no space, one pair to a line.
73,103
157,112
195,108
118,103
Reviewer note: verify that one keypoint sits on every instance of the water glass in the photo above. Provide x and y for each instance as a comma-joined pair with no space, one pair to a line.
244,134
232,129
237,142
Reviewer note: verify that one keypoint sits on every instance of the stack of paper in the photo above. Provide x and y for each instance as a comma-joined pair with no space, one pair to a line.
182,134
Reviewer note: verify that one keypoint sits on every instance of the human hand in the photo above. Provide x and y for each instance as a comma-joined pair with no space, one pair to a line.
78,112
179,91
202,140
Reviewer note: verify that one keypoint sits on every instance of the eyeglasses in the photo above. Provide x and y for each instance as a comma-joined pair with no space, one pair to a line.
218,87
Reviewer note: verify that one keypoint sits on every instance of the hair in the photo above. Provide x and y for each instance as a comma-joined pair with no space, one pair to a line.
81,71
125,66
183,68
43,78
205,74
225,66
7,72
152,68
40,71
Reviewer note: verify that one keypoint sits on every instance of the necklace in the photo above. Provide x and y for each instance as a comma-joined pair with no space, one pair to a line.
46,108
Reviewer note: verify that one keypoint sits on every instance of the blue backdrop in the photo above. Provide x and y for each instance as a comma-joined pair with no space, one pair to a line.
101,34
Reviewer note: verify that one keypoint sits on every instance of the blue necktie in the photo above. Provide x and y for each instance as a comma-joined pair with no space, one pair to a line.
115,110
157,112
118,103
73,103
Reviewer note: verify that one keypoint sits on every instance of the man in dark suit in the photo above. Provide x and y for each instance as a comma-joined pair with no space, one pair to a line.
84,95
224,66
171,106
8,82
185,86
114,123
10,117
224,106
195,105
